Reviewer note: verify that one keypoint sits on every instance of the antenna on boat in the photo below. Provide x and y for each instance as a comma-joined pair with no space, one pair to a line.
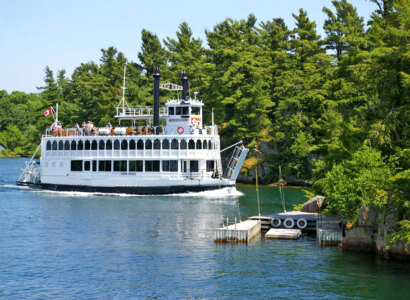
123,102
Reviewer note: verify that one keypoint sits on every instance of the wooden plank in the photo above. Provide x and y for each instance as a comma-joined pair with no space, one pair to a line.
286,234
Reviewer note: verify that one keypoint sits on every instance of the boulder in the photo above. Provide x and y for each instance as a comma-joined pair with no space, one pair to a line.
314,205
368,215
266,148
359,239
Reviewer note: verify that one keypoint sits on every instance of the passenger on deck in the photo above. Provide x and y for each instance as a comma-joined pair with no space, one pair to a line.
83,128
76,128
59,129
109,125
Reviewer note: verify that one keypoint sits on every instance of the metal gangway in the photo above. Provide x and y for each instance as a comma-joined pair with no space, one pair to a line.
30,173
235,162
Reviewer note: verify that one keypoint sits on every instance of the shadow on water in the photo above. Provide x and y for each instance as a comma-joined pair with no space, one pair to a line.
60,245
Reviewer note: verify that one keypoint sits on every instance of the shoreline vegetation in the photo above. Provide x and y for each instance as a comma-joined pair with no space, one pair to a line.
332,111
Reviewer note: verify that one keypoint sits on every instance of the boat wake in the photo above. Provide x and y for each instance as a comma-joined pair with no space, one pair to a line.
217,193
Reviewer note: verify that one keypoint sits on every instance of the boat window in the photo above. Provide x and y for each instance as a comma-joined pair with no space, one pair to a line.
67,145
124,145
87,145
182,110
73,145
132,145
76,165
60,145
140,145
195,111
135,166
210,145
171,111
80,145
104,165
48,145
94,166
170,165
116,145
120,166
191,144
148,145
87,165
183,144
101,145
54,145
205,145
174,144
165,144
193,165
94,145
210,165
152,166
157,144
108,145
198,144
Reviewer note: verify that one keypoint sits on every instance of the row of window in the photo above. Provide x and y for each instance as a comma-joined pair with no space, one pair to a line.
131,145
136,165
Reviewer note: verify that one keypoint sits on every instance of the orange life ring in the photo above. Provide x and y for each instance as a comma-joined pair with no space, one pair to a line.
180,130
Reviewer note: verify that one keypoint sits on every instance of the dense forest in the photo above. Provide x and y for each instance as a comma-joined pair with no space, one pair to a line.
343,97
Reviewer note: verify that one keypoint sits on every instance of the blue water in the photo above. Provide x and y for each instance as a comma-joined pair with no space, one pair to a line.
74,245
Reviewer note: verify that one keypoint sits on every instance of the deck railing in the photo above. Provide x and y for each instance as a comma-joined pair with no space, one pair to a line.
126,131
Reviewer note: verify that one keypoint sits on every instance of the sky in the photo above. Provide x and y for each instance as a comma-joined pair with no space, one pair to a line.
62,34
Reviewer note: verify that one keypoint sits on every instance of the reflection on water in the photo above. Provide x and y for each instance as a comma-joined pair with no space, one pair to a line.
59,245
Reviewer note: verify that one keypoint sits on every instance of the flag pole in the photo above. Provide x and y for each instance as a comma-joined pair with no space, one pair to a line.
56,114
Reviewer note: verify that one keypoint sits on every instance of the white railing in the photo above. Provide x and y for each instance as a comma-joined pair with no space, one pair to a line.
126,131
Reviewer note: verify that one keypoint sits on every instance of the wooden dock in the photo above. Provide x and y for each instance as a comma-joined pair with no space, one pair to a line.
283,234
307,221
241,232
328,230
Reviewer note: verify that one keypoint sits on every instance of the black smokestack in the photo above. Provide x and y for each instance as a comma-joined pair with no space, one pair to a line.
184,79
156,76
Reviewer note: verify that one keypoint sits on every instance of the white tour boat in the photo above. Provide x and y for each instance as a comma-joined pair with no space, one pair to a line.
173,153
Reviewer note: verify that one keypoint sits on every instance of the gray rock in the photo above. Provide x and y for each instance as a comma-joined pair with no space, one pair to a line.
265,147
314,205
368,215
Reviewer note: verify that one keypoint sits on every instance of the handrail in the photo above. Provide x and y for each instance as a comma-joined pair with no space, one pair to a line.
126,131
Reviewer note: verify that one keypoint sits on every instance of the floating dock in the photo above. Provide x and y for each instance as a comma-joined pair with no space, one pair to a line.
300,220
283,234
241,232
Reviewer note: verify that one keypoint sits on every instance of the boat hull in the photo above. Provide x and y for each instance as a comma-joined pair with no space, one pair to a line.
140,190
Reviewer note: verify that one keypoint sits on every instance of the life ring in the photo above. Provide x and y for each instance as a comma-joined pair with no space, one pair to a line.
301,223
275,222
180,130
288,223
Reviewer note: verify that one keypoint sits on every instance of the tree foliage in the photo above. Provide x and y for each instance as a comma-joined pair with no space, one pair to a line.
343,97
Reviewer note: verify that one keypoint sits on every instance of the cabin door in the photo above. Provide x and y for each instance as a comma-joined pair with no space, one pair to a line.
87,169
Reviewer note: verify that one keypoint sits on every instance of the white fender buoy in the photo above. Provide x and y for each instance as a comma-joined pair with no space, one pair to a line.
301,223
288,223
275,222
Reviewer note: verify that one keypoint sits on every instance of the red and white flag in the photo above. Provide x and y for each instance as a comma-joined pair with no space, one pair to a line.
117,91
48,112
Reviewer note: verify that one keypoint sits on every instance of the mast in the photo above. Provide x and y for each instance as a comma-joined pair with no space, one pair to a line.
123,89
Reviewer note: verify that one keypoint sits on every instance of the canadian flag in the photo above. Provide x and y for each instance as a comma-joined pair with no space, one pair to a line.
48,112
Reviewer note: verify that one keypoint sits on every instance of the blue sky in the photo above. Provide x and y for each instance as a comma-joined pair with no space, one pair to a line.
63,34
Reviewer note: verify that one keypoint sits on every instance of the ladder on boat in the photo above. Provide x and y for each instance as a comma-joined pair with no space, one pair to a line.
30,173
235,162
218,161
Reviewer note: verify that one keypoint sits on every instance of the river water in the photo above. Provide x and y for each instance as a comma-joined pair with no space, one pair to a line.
82,245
